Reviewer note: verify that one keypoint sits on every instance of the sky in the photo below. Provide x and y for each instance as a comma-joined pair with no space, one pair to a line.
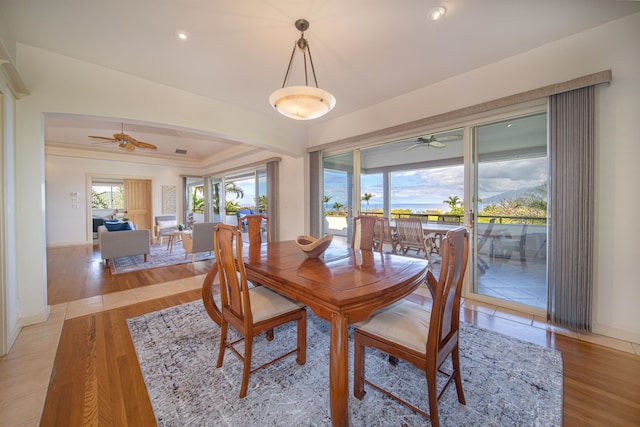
433,186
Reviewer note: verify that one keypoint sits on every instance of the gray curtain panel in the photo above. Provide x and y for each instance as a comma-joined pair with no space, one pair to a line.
315,184
273,198
571,154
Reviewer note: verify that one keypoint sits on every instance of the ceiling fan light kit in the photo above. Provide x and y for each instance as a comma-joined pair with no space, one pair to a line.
437,13
302,102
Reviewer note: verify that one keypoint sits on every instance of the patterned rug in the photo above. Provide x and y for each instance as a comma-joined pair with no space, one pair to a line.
159,257
507,382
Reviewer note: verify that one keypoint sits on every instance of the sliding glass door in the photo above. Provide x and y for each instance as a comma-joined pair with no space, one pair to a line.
337,197
509,256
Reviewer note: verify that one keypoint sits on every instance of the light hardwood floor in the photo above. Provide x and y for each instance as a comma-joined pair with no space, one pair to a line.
80,368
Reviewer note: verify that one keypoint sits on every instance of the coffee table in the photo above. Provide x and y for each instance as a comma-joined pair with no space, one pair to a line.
175,235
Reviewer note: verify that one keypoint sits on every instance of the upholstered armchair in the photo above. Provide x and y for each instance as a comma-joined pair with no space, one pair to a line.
164,224
200,239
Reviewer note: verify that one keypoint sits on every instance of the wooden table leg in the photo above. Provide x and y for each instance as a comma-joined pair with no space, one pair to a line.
338,371
170,243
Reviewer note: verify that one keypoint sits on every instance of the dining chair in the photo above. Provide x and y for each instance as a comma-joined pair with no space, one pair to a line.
418,335
251,311
364,227
411,236
257,225
385,235
254,224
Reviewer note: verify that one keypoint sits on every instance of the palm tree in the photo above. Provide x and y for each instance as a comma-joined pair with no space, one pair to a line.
452,202
232,187
366,197
325,200
337,206
197,198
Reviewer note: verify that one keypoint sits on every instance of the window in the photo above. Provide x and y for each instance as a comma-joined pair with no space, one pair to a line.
107,196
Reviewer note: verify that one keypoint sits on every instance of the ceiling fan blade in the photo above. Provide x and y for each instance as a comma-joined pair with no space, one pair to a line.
139,144
435,143
142,144
103,137
449,138
412,146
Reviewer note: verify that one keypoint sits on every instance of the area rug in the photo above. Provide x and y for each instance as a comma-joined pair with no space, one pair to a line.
507,382
159,257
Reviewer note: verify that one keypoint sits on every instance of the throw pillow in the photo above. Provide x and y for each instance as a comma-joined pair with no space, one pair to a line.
117,226
167,224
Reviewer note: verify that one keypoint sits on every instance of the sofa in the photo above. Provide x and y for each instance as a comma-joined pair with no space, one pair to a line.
116,244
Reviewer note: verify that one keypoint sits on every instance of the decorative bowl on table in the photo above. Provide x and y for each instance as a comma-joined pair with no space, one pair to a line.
313,247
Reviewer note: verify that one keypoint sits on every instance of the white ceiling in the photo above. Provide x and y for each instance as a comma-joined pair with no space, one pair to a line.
364,51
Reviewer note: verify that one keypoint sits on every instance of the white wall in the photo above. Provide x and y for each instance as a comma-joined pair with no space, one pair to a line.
8,237
64,175
612,46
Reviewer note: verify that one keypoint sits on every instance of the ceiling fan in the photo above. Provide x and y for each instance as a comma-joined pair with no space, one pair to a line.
126,141
432,141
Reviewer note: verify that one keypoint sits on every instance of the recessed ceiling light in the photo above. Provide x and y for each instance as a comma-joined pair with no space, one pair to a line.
437,13
182,35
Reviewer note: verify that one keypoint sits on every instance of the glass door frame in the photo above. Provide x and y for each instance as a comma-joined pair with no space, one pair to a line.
471,215
468,124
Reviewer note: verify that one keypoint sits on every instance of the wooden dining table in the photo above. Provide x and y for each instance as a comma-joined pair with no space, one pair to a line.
342,286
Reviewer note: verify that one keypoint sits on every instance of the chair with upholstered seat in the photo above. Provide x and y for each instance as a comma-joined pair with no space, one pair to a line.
251,311
200,239
164,224
416,334
364,228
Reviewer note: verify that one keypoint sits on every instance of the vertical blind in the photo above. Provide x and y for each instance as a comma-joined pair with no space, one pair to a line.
571,154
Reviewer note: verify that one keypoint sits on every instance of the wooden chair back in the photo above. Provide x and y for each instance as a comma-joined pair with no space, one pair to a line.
400,330
364,227
411,236
384,234
234,289
446,291
255,226
269,310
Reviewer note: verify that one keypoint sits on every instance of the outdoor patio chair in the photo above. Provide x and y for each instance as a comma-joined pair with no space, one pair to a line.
508,245
482,240
411,237
385,235
422,337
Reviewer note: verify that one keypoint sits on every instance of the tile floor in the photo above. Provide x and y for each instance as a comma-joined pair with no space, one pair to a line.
26,370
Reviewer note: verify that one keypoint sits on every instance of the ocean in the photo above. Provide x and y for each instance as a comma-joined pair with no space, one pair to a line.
415,207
